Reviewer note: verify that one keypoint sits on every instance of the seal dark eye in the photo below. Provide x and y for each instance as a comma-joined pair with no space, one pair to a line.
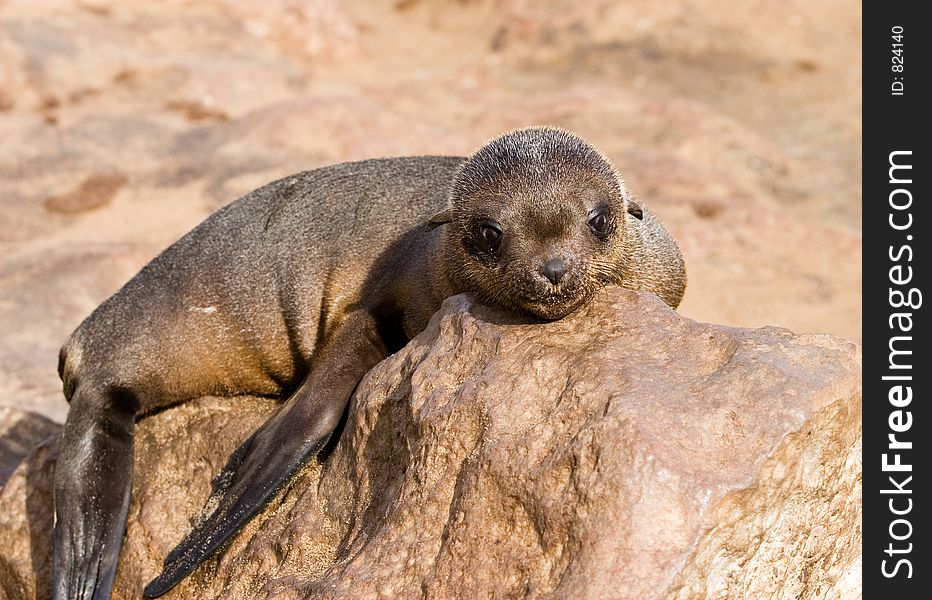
491,234
599,222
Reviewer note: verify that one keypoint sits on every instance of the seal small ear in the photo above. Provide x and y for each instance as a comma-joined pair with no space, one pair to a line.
634,209
441,218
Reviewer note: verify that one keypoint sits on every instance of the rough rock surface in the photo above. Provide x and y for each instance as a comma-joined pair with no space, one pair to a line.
623,452
20,432
124,124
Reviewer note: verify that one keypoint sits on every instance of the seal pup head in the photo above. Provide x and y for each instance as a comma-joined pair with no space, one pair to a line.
537,222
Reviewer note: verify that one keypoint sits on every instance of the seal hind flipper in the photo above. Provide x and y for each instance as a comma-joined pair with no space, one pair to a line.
278,449
91,505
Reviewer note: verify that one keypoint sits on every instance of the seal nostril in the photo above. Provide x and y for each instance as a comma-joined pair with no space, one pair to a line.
554,270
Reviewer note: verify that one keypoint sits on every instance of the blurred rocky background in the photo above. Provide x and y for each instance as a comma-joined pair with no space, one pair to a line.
124,124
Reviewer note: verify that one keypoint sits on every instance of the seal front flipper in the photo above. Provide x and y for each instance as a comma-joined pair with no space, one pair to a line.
269,458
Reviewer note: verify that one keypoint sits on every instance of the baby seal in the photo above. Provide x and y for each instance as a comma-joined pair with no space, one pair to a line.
299,288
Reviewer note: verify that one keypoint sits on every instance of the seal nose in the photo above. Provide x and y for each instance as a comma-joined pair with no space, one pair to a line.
554,270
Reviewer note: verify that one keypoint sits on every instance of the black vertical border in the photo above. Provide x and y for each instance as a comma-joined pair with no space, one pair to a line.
895,123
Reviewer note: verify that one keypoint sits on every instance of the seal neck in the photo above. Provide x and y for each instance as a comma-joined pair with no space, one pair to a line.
444,281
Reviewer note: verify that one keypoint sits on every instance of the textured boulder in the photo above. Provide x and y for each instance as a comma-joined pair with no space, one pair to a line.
20,432
624,452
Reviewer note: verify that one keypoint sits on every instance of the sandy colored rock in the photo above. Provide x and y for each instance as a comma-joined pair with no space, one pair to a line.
625,451
20,432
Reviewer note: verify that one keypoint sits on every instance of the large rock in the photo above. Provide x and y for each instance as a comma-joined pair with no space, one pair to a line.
20,432
623,452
